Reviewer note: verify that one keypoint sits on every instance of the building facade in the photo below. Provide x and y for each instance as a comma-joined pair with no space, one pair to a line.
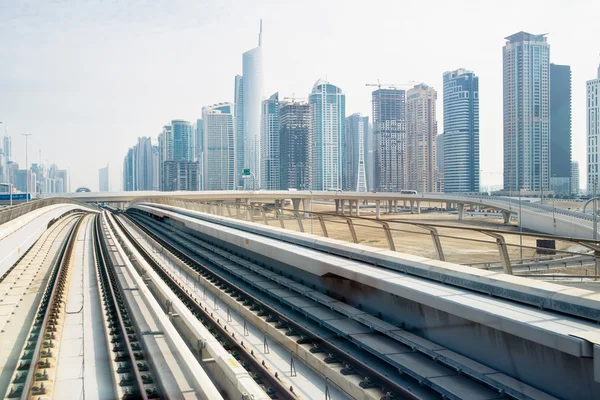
439,161
575,189
239,129
182,140
128,171
421,133
252,86
460,166
560,128
143,164
389,135
181,175
8,148
593,131
357,128
294,122
103,179
219,140
270,144
526,93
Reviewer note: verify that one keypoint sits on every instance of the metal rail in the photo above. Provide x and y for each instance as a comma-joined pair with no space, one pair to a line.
123,331
40,344
238,350
376,379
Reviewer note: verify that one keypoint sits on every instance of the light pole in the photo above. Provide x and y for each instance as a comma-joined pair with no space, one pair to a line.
26,167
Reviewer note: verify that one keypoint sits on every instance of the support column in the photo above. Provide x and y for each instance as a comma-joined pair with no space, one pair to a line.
237,207
418,207
296,204
337,206
404,205
377,209
357,208
305,206
412,206
395,206
461,211
506,216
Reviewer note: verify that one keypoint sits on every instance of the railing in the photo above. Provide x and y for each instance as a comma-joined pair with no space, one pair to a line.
395,231
22,209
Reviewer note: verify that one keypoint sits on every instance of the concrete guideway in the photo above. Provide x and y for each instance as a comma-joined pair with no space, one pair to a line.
567,335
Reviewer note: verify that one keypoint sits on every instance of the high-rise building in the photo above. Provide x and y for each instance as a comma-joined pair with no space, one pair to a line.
103,179
560,128
21,179
269,144
165,152
180,175
8,148
370,158
63,176
129,171
219,140
575,178
421,133
252,86
460,167
239,129
143,164
355,150
294,147
327,131
389,135
593,131
182,140
439,161
526,92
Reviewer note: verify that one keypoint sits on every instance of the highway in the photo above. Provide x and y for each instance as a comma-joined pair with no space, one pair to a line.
162,302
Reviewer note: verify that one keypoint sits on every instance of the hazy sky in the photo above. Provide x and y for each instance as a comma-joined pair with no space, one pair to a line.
87,77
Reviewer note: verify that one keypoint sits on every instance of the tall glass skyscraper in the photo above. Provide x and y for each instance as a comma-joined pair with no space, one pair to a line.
294,148
252,87
269,144
357,128
182,140
219,141
560,128
460,167
389,135
143,164
526,86
327,131
239,129
593,133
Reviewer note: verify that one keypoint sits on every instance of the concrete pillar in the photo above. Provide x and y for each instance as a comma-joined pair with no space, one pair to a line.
377,209
404,205
412,206
461,209
418,207
506,216
237,207
296,204
357,208
337,206
306,206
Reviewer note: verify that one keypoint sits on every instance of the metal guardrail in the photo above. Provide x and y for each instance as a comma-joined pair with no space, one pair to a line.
22,209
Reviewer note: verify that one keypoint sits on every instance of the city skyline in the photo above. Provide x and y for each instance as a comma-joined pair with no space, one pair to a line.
215,85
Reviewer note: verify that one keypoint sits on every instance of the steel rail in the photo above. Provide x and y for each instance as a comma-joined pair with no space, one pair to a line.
103,262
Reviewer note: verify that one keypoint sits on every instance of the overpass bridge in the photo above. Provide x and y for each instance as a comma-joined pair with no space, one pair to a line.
534,217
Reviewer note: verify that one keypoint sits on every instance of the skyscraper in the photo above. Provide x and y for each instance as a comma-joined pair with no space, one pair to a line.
389,135
129,171
239,129
370,158
294,147
327,131
165,152
575,178
269,144
526,92
460,167
439,161
182,140
176,156
560,128
103,179
357,128
252,87
593,132
143,164
421,132
219,140
8,148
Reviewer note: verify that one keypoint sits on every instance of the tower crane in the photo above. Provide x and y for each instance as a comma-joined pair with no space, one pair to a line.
408,85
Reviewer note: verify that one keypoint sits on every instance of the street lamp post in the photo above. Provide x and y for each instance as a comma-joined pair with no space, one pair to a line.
26,166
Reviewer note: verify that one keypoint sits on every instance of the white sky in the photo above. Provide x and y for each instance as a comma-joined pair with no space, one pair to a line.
87,77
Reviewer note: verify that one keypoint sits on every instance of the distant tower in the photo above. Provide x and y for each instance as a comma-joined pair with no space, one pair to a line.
294,145
560,128
526,82
269,144
252,88
593,133
327,131
219,160
357,128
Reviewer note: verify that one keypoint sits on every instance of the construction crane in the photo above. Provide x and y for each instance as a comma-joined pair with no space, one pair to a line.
294,99
408,85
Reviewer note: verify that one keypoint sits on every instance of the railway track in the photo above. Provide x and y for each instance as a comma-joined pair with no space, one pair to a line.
37,361
335,354
130,367
270,383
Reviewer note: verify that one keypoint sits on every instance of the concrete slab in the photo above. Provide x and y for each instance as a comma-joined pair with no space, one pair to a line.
381,343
